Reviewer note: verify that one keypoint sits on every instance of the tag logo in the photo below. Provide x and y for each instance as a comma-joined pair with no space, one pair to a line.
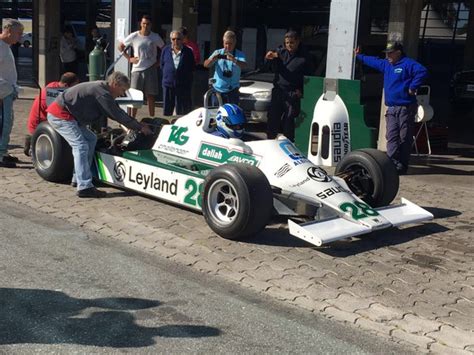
119,171
177,135
318,174
398,70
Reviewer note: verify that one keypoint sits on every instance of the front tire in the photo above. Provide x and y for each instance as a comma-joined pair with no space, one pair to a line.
51,154
237,201
371,175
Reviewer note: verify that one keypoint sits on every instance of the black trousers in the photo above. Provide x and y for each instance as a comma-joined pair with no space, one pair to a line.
284,108
176,97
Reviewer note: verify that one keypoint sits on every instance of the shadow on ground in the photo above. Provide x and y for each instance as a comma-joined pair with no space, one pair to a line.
51,317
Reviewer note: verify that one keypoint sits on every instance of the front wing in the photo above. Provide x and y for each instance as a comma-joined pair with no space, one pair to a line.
332,229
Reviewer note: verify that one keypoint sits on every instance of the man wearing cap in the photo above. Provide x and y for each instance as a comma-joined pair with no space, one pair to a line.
402,77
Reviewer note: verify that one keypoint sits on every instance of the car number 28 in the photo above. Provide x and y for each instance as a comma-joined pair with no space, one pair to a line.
193,193
358,209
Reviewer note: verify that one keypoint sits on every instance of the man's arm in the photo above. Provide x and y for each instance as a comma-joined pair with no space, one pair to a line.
111,109
211,60
373,62
419,74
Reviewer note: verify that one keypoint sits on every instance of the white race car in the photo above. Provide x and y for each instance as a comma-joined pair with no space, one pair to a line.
239,184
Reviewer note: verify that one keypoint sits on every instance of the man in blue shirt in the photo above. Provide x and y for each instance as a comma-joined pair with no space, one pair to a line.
402,77
228,62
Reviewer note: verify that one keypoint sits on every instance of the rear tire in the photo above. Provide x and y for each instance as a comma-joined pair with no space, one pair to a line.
51,154
237,201
371,175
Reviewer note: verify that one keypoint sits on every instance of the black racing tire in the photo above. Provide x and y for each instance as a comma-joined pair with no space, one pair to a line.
51,154
371,175
237,201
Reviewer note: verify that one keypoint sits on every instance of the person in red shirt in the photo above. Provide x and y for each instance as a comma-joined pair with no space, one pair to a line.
38,109
192,45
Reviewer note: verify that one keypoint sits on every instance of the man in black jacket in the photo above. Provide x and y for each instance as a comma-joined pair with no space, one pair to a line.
290,64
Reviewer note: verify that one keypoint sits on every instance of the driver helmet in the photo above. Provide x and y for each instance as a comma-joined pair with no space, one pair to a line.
230,121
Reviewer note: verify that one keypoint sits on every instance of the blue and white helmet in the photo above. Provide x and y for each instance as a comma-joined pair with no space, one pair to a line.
230,121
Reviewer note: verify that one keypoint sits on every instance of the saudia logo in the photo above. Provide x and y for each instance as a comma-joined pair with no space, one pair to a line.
222,155
153,182
177,135
119,171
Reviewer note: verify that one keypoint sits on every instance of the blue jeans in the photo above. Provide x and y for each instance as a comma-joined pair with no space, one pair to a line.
6,123
82,142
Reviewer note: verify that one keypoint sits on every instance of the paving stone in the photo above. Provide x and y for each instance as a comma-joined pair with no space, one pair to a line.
255,284
453,337
412,323
320,292
282,294
311,304
349,303
380,313
230,274
422,341
265,273
462,306
437,348
240,263
292,281
185,259
341,315
374,326
459,320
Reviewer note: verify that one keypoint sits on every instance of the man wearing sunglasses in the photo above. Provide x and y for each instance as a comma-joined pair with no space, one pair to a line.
177,65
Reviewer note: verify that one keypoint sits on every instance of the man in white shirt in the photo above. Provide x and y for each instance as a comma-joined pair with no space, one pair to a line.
11,34
145,63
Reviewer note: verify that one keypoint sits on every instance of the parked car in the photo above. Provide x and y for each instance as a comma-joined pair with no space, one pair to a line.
256,95
26,39
461,91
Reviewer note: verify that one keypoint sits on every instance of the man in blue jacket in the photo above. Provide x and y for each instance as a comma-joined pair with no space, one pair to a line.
402,77
177,64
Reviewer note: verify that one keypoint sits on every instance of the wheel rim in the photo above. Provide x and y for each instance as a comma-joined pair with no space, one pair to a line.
360,181
44,152
223,202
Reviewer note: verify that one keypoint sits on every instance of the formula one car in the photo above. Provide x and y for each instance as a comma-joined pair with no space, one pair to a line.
239,184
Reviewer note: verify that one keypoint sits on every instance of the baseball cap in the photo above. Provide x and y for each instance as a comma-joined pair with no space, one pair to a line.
393,46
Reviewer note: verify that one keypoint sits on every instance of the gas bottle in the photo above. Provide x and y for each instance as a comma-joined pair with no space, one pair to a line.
96,63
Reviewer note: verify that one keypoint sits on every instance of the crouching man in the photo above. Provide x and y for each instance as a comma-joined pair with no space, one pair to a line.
82,105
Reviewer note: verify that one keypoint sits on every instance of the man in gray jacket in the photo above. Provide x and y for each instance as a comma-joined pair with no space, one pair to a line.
82,105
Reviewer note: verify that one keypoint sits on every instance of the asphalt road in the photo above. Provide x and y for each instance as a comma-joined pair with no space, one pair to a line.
64,291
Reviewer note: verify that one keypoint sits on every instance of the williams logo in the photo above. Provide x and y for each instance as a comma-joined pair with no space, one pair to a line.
119,171
318,174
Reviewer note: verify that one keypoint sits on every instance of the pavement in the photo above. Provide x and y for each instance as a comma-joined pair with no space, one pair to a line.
413,285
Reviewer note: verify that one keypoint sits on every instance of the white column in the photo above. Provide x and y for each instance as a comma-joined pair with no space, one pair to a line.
343,24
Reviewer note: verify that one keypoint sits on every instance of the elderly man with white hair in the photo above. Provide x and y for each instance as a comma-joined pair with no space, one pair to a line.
80,106
228,62
11,34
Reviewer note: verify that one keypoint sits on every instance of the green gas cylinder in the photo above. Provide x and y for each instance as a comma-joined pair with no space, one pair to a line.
96,63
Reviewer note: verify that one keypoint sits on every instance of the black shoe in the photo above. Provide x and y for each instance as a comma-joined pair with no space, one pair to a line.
7,158
27,147
73,184
7,164
91,192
